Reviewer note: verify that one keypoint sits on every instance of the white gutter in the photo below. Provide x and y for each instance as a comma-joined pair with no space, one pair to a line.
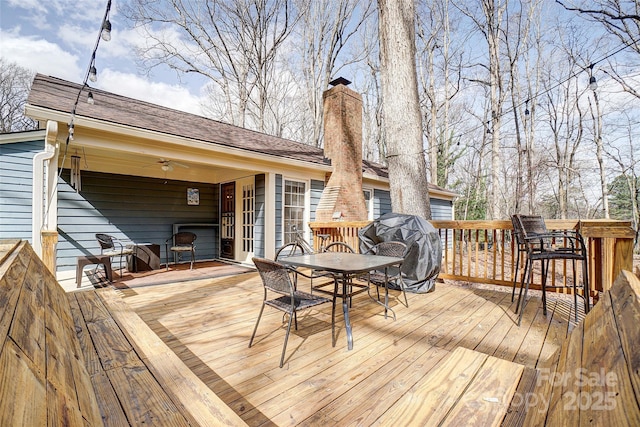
44,192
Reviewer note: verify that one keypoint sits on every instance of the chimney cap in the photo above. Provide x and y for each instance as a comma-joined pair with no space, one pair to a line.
340,81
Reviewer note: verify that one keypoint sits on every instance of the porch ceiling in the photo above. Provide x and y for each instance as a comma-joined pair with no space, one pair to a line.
126,154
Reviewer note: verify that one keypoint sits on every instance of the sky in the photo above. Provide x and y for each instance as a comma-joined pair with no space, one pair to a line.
56,38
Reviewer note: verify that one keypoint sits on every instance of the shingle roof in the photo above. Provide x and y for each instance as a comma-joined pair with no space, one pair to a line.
60,95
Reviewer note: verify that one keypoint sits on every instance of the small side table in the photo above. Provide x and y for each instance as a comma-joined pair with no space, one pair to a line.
145,257
83,261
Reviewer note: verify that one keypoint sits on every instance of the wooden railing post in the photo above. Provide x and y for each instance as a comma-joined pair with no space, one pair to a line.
49,242
611,250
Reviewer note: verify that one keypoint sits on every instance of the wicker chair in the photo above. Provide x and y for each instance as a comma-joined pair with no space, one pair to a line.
112,247
181,242
547,246
275,278
389,275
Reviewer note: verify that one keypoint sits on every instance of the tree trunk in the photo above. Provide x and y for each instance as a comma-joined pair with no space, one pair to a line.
597,133
401,109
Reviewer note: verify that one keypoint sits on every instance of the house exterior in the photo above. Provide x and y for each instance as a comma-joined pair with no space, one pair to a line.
140,172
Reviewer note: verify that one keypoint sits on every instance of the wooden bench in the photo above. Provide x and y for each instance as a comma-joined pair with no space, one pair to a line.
86,359
593,379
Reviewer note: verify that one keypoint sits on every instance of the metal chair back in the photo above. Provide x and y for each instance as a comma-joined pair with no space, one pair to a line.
274,275
275,278
547,246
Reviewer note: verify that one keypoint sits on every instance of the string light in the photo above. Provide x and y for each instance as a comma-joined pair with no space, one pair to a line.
106,30
92,72
593,84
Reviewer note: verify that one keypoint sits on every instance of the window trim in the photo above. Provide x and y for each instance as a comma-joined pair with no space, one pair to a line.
306,205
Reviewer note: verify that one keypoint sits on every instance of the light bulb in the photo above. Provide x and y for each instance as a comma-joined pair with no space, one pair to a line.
90,100
106,31
93,73
593,84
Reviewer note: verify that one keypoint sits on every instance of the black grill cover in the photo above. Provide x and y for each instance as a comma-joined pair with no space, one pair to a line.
424,248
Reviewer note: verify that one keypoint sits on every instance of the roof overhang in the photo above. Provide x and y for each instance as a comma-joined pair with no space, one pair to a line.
40,113
23,136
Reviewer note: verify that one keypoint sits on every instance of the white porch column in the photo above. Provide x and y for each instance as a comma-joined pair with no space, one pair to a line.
44,189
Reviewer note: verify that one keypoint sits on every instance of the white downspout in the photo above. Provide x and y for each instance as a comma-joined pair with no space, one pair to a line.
44,193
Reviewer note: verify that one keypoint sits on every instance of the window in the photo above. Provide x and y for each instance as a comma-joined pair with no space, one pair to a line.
368,202
294,202
248,216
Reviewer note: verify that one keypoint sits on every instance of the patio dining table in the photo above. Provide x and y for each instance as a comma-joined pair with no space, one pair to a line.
344,266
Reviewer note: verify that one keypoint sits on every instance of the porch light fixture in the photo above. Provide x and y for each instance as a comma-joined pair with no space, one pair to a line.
106,30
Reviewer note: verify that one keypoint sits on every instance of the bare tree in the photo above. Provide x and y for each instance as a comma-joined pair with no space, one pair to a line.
401,109
327,27
235,43
440,77
489,20
620,18
15,84
596,116
565,116
625,157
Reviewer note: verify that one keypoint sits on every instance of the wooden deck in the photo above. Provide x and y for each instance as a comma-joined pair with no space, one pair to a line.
208,322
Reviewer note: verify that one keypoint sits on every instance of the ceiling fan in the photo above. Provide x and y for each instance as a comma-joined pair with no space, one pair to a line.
167,165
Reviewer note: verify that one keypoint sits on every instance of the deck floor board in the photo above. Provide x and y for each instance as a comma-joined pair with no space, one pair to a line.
208,323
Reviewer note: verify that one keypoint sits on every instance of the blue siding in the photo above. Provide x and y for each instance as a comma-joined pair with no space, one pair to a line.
381,203
133,209
259,226
440,209
16,171
315,194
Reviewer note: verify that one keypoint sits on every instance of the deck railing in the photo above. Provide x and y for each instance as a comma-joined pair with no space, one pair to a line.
485,251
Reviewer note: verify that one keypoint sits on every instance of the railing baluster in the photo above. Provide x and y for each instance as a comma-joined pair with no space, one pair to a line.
609,245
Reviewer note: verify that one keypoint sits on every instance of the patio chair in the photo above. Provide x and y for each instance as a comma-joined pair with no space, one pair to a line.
112,247
275,278
340,247
547,246
391,274
521,247
181,242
